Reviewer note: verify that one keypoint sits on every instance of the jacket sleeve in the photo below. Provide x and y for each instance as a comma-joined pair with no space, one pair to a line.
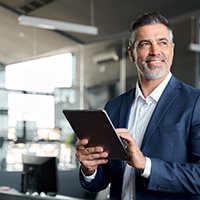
100,181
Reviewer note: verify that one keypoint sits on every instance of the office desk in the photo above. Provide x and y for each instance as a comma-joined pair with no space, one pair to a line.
19,196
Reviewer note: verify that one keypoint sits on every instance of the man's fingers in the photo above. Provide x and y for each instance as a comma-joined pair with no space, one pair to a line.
81,144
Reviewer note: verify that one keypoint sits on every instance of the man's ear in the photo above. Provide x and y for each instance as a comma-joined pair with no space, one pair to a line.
131,56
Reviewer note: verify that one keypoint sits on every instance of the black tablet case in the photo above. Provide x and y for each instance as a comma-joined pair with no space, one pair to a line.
96,126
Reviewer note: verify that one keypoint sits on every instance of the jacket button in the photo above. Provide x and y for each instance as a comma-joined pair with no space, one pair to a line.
159,188
163,188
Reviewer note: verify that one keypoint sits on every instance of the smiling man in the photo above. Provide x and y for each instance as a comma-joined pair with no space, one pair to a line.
159,122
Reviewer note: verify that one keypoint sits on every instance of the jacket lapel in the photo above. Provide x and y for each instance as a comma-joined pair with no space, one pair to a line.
165,101
125,109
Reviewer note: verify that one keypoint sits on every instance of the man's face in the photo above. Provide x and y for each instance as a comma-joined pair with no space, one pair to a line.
153,51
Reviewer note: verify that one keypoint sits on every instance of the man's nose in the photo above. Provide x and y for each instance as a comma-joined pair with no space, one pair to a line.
154,50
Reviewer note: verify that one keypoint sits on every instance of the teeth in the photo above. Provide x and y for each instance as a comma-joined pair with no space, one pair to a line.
155,61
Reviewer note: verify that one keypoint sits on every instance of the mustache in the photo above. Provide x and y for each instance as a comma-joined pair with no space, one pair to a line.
150,58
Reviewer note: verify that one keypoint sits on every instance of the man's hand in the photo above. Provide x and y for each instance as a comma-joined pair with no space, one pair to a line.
90,157
137,159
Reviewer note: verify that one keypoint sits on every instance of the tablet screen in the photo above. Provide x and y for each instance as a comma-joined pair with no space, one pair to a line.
96,126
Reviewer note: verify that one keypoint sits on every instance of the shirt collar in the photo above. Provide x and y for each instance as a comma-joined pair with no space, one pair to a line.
155,95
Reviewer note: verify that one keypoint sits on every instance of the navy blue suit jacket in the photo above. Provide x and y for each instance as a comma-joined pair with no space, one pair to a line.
171,141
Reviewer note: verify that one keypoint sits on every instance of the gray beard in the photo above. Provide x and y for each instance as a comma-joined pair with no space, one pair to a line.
153,76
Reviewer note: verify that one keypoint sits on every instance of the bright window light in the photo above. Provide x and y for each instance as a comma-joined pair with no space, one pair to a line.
29,107
40,75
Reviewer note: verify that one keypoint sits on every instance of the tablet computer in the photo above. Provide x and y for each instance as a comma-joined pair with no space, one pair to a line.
96,126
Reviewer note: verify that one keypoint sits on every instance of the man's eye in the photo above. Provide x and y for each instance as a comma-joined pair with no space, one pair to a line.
144,44
163,43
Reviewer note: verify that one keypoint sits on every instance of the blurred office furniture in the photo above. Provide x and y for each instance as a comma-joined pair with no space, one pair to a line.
104,194
68,183
19,196
39,175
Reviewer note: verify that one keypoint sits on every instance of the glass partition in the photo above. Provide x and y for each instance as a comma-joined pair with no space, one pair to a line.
33,95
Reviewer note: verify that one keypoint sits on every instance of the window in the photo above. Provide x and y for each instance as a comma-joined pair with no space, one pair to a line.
30,107
40,75
33,94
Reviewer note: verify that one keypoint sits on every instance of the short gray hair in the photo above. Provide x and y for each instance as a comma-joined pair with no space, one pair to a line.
146,19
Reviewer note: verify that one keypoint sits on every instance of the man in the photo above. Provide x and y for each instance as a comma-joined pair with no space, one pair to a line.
159,122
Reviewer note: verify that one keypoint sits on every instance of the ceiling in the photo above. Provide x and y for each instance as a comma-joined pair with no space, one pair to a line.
112,17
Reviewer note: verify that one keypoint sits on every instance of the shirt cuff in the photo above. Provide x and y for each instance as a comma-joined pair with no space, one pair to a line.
147,170
89,179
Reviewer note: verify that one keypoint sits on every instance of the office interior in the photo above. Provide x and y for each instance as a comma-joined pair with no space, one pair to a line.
31,118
